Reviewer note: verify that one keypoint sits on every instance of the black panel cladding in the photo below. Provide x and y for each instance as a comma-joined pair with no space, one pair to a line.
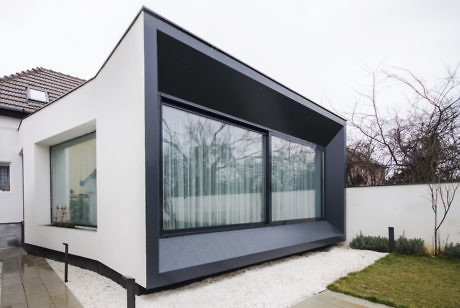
188,74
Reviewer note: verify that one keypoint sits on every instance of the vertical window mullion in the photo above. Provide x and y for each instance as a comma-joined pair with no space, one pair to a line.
268,178
323,211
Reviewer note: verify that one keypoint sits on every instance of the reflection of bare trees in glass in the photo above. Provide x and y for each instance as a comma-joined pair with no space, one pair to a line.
203,157
296,180
294,165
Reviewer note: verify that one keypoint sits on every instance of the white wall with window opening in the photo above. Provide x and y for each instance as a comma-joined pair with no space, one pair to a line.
10,171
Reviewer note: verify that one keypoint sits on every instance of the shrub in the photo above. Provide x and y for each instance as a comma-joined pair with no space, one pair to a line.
407,246
377,243
452,251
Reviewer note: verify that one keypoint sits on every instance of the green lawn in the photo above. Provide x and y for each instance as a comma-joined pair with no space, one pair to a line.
406,281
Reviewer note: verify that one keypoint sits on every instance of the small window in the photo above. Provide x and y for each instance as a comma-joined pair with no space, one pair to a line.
4,177
37,95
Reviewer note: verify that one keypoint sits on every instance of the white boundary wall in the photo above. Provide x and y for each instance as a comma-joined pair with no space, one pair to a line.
407,208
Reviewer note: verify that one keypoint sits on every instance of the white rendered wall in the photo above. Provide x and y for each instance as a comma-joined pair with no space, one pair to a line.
112,104
407,208
11,201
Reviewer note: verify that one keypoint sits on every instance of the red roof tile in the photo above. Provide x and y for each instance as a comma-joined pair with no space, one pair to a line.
13,88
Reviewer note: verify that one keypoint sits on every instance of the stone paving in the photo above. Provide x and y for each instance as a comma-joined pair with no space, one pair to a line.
28,281
329,299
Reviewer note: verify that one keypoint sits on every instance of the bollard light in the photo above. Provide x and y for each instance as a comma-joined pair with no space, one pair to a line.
66,262
391,239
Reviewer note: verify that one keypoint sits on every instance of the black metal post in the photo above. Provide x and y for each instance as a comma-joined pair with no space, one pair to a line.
391,239
130,287
66,262
22,233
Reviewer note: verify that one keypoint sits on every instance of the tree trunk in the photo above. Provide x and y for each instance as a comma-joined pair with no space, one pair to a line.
435,233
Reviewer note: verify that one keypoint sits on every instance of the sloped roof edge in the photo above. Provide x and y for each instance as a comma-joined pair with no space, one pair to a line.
13,88
158,16
100,69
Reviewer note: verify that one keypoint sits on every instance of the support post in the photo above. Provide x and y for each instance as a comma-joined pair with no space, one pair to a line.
66,262
391,239
130,292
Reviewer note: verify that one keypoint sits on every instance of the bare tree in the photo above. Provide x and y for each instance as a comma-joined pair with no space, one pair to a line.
442,196
362,169
421,146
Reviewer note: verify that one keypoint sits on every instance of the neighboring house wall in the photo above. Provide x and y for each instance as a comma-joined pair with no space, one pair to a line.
112,104
11,201
407,208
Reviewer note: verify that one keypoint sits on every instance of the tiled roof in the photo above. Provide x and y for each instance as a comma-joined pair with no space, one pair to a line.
13,88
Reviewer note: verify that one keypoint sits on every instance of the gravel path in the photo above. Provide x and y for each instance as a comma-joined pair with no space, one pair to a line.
281,283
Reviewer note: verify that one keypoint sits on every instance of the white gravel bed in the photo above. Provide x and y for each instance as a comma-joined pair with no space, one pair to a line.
281,283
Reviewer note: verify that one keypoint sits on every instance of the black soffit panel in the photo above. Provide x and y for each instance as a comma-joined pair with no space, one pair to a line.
188,74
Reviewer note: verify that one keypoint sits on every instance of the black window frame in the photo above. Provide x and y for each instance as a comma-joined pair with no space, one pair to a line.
51,180
267,134
314,146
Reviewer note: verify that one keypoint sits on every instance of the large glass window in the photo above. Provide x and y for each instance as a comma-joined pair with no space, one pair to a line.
73,181
213,172
296,180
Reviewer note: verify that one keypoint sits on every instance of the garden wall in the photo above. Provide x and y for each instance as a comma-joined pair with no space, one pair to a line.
407,208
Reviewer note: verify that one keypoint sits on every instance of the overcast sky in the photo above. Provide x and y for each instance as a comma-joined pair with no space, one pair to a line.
321,49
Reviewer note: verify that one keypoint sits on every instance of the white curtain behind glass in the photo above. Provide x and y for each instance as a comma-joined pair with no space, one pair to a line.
212,172
73,181
296,180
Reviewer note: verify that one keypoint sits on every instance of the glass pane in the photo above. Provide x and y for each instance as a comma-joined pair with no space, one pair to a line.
296,180
4,178
212,172
38,95
73,181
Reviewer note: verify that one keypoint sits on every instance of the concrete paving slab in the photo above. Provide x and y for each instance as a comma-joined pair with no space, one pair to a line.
29,281
329,299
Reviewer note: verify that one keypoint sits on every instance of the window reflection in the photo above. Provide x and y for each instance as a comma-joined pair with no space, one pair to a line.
73,182
296,180
212,172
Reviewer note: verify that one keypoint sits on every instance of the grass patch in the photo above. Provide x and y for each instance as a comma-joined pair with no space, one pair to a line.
406,281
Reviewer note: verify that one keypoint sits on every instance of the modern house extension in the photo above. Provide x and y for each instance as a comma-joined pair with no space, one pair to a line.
177,161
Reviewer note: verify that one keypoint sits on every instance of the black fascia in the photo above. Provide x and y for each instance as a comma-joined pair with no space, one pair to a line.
334,181
153,199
